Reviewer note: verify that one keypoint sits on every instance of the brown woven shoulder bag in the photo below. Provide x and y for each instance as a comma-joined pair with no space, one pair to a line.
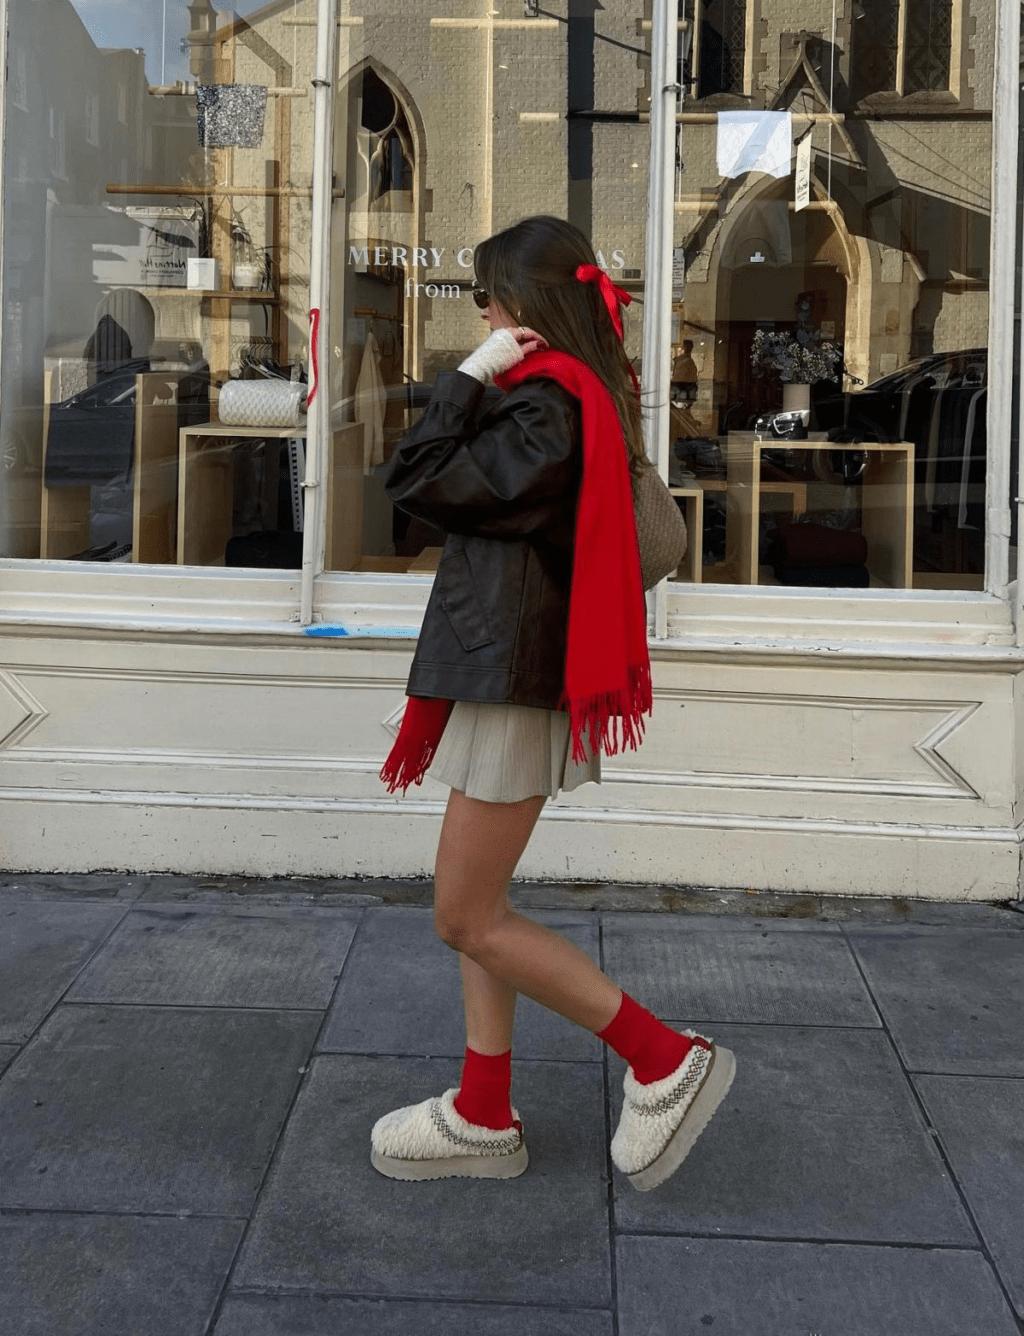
660,527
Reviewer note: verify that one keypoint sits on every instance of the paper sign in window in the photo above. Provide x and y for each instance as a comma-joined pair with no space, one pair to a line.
755,141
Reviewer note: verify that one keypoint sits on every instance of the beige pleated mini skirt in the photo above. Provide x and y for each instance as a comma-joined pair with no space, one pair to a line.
505,753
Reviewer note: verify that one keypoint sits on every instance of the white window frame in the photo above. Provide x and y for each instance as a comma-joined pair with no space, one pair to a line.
66,597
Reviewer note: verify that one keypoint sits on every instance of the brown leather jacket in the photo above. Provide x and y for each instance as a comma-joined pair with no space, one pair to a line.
503,483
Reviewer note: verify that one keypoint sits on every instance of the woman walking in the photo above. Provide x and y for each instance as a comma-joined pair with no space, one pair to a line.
532,661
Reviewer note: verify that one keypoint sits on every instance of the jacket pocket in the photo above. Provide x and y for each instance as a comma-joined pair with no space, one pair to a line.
461,603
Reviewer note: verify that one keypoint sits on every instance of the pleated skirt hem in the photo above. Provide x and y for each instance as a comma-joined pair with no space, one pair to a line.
505,753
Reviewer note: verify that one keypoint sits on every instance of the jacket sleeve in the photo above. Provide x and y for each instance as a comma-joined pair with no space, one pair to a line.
503,473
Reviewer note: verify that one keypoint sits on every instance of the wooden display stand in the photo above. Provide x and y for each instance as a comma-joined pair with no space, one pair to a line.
205,483
66,512
692,497
887,504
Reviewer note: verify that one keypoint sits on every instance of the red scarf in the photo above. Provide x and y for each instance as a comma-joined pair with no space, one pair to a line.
607,669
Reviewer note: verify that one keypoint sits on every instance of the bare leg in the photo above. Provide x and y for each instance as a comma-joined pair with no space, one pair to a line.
490,1009
480,845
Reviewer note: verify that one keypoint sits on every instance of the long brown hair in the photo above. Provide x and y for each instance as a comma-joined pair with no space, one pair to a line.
530,270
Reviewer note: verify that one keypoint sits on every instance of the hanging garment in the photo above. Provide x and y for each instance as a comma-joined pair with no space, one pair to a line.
231,115
370,404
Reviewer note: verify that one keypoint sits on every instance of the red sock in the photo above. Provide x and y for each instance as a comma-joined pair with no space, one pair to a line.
649,1046
483,1096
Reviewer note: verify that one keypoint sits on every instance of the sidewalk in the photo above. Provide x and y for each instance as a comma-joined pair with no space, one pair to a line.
189,1071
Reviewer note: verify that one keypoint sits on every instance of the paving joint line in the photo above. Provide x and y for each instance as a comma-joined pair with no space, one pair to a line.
34,1034
613,1272
936,1138
449,1057
308,1292
275,1153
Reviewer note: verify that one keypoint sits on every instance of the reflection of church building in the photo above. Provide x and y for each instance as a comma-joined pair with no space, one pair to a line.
892,252
449,127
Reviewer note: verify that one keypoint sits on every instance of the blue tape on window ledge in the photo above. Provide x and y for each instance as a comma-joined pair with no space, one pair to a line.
366,632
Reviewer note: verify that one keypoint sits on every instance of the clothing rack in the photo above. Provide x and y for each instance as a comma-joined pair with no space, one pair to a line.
371,313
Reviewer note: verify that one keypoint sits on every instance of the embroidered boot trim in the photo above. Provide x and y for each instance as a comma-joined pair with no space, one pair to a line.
507,1144
691,1081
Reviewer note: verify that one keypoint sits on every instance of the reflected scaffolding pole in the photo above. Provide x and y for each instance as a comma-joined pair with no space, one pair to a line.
318,418
657,353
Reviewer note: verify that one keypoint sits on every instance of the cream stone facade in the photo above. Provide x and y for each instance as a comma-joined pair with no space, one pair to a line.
178,717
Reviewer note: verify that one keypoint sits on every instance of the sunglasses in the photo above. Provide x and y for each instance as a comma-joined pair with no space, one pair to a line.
482,298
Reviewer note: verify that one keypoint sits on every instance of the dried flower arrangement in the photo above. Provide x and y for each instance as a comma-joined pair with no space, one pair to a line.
802,358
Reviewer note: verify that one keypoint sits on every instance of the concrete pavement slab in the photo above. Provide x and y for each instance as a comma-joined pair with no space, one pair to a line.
980,1123
953,999
148,1108
7,1054
400,994
267,1316
94,1275
707,970
725,1287
820,1137
327,1222
43,945
221,956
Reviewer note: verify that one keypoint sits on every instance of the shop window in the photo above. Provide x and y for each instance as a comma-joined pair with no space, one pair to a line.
829,397
901,46
152,276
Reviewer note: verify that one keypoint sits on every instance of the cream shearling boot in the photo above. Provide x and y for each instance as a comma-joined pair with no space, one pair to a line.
661,1121
433,1140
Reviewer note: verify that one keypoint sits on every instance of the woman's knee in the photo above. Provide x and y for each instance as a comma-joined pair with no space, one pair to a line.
462,931
451,928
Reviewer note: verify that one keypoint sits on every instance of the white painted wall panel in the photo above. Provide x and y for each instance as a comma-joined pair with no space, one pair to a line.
261,757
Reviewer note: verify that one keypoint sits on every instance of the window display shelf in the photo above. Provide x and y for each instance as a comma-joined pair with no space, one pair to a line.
205,500
259,295
887,501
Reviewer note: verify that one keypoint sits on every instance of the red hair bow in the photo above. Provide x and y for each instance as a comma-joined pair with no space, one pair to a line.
613,297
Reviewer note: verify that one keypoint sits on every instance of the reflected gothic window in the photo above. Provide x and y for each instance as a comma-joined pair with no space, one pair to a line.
388,140
901,46
720,40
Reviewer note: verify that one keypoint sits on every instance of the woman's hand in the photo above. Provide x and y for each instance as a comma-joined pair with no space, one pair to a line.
502,351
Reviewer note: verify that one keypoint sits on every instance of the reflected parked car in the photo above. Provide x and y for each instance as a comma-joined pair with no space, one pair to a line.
938,403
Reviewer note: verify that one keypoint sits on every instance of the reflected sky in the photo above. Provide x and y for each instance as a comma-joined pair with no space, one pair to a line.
157,27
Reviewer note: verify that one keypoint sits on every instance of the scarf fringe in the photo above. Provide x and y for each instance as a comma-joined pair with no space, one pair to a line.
611,721
418,738
405,767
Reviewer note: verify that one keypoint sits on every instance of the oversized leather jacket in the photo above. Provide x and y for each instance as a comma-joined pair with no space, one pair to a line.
503,483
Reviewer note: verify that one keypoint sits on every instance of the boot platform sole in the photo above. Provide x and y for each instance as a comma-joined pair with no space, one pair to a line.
454,1166
698,1115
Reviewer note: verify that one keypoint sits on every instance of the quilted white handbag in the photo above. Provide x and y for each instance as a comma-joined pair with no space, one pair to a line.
262,403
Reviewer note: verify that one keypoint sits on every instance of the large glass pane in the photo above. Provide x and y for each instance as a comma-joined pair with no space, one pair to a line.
157,235
830,382
452,124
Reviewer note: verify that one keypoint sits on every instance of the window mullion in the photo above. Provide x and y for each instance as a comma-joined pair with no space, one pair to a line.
901,50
